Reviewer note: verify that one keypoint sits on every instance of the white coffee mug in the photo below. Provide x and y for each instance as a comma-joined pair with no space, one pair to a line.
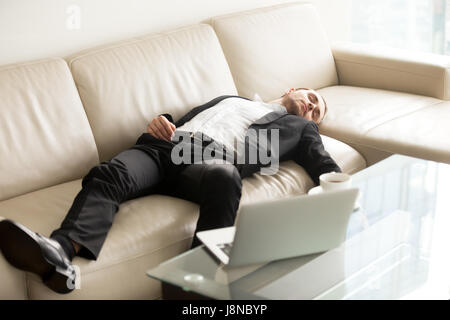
335,181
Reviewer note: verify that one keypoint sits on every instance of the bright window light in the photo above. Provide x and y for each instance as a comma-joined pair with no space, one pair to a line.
420,25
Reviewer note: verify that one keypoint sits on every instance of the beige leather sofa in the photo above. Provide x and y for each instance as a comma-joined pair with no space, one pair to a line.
60,117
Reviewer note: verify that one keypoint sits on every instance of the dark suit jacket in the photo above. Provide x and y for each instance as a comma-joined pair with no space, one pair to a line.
299,140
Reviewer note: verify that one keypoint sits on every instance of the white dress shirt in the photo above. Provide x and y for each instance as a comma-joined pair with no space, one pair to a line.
228,121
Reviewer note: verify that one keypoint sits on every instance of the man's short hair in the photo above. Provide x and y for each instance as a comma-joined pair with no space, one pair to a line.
325,110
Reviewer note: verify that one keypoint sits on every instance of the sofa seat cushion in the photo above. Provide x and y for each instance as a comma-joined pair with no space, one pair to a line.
291,179
389,121
424,134
146,230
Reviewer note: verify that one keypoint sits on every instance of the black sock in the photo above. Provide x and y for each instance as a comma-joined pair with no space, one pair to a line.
66,244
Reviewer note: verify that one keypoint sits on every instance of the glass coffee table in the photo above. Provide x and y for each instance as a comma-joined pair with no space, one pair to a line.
397,247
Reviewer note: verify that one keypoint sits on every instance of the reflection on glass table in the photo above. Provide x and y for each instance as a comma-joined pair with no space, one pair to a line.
397,247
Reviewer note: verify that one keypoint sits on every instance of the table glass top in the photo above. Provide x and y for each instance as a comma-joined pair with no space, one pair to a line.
397,247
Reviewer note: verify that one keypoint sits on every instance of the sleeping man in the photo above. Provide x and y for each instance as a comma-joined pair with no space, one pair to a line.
202,158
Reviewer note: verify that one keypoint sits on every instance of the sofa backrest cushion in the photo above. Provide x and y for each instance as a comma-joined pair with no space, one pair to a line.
45,137
275,48
124,85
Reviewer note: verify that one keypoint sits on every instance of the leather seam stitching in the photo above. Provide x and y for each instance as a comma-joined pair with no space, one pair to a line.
368,145
27,64
260,10
387,68
135,40
401,116
134,257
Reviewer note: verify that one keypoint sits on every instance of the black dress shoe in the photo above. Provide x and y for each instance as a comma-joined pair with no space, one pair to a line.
32,252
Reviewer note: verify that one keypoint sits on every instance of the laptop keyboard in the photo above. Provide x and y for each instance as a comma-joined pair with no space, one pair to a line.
226,248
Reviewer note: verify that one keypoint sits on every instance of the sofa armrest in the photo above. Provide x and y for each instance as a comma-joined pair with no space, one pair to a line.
393,69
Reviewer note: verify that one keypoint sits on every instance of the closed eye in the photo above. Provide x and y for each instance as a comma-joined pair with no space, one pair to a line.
312,97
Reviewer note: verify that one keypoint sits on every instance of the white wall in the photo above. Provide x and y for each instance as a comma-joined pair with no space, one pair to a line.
33,29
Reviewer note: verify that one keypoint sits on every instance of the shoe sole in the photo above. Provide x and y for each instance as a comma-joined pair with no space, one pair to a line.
23,252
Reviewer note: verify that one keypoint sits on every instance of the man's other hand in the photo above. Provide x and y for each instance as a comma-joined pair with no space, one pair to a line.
161,128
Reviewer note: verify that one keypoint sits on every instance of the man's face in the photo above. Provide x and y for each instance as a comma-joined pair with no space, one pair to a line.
306,103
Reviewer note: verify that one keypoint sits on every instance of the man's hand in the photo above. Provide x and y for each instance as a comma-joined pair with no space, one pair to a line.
161,128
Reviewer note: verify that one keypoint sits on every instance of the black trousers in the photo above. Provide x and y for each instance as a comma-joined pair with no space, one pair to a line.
135,173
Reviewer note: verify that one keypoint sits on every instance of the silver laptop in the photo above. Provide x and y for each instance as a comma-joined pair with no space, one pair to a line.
285,228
